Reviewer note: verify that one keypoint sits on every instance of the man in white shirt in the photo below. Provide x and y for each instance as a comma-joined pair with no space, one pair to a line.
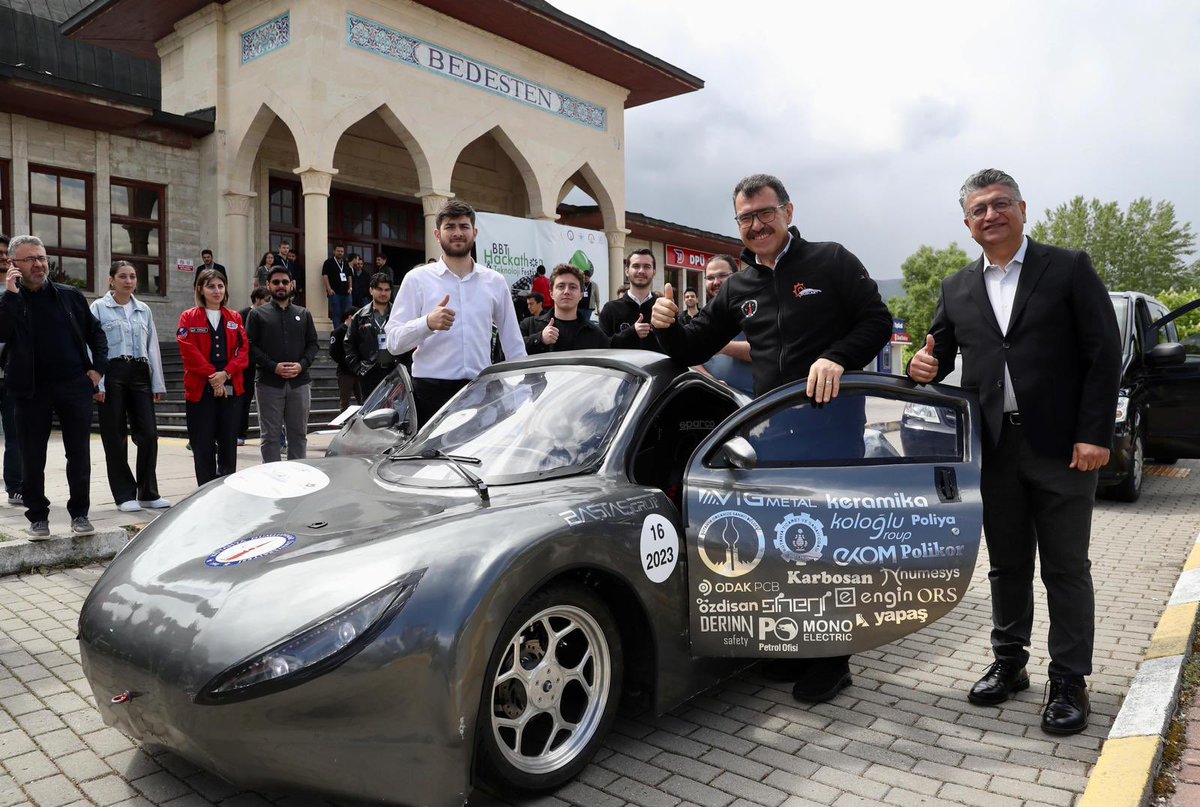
446,310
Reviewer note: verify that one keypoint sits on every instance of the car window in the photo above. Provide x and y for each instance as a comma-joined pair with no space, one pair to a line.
1121,310
521,425
857,427
391,393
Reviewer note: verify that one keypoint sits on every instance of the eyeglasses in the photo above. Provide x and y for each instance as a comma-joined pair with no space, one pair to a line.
279,282
44,259
1001,206
766,216
722,276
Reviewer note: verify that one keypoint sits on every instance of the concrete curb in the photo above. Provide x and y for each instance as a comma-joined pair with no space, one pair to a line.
19,555
1129,761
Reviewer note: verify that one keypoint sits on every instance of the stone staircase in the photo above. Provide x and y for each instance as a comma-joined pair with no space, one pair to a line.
169,412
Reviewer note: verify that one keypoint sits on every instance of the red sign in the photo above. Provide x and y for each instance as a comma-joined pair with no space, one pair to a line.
684,258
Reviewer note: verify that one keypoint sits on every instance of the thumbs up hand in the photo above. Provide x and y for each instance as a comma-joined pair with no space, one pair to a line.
924,366
642,327
549,333
665,311
442,317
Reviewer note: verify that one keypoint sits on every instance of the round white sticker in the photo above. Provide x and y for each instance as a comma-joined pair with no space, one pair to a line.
278,480
245,549
660,547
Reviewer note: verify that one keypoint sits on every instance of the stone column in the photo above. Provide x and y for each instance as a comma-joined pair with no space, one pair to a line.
616,259
316,184
238,263
431,203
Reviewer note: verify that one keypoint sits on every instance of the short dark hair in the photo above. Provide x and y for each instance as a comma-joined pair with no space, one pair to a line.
339,246
116,265
541,270
568,269
382,257
729,259
380,278
686,292
260,293
454,209
757,182
353,256
537,295
205,251
3,239
279,269
642,251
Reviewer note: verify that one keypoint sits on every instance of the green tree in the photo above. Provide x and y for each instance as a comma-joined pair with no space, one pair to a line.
924,272
1189,323
1139,249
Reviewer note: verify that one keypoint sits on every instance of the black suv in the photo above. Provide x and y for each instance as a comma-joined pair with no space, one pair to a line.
1158,411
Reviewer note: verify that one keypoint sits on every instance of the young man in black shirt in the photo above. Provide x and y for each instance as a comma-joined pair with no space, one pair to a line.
626,319
562,328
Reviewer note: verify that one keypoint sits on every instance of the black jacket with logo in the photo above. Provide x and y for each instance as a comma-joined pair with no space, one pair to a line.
361,342
617,319
16,331
586,335
281,335
818,302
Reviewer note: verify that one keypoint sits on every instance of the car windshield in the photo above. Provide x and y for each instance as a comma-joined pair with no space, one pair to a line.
520,425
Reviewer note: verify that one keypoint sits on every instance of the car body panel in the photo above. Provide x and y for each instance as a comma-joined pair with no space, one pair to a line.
258,558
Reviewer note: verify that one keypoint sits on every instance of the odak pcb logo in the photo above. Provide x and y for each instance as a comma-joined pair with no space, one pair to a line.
731,543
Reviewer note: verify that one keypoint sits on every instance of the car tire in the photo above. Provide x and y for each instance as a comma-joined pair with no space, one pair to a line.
550,693
1130,488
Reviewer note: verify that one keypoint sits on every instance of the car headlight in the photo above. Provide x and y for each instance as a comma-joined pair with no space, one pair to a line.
313,650
924,412
1122,408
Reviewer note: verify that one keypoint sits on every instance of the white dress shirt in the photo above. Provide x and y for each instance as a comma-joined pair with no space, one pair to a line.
479,301
1001,285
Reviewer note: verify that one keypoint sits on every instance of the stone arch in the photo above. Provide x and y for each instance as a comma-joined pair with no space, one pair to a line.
355,112
247,149
532,185
586,178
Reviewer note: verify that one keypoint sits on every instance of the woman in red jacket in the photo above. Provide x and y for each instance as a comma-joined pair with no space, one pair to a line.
215,354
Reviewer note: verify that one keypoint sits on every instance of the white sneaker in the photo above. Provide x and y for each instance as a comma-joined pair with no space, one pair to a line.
129,507
158,504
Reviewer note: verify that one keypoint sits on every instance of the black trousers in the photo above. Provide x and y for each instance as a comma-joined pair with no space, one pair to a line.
1034,505
128,410
212,425
72,402
431,395
347,389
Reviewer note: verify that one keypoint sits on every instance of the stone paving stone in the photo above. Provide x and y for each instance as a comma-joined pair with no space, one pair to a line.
642,794
686,766
160,787
804,786
54,791
30,767
579,793
635,769
82,765
108,790
976,798
701,794
10,791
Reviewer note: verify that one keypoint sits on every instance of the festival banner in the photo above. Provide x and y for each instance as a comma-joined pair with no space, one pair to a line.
515,247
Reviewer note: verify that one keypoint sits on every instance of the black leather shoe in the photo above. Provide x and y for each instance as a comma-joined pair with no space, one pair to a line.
823,680
999,682
1067,709
784,669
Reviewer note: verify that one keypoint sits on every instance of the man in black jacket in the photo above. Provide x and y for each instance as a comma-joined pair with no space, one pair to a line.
283,345
562,328
50,331
809,311
365,344
626,319
1041,350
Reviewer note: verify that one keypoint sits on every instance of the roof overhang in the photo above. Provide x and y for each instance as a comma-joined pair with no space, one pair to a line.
134,26
651,229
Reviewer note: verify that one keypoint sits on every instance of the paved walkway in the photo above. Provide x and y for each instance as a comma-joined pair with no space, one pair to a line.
902,735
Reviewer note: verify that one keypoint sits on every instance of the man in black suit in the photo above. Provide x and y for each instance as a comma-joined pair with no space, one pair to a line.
1042,351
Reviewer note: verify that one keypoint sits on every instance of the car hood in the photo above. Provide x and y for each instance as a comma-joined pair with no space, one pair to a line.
239,566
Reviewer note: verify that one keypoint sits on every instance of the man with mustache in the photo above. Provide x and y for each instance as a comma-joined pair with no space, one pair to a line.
446,311
809,310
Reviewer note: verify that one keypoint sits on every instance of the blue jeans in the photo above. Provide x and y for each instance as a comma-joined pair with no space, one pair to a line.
339,307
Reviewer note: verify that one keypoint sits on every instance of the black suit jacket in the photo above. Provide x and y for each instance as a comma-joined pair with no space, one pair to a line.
1062,348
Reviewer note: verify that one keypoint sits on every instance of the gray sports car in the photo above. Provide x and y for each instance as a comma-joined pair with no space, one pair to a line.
468,607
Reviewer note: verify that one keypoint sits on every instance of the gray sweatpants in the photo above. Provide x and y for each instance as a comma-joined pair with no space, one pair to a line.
279,407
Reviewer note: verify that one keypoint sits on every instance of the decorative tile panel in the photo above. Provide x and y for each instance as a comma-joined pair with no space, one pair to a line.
262,39
383,41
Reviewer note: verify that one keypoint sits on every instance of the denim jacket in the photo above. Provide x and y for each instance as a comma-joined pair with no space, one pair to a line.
134,337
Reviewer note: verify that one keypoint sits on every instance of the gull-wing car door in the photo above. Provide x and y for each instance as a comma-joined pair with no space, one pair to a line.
387,417
828,530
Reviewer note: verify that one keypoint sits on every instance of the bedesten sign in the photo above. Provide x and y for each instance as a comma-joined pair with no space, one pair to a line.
379,39
684,258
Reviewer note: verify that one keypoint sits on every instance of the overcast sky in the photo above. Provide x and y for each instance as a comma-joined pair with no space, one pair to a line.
873,113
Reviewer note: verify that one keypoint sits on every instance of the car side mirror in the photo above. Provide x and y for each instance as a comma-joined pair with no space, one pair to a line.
381,419
737,453
1167,353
